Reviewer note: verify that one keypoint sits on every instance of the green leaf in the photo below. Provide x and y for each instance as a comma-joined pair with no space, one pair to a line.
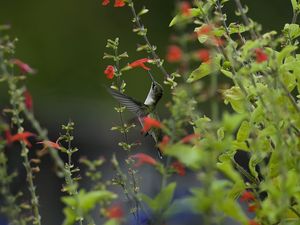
189,156
292,31
295,5
235,97
162,201
205,69
143,11
227,73
237,28
231,122
243,132
284,53
112,222
84,202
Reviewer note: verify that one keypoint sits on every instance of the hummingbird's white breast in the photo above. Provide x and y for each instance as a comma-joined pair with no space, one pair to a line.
150,98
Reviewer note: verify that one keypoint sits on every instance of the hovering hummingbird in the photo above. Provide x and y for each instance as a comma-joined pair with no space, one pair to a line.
141,110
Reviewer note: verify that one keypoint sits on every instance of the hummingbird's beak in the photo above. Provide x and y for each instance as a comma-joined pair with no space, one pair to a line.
152,78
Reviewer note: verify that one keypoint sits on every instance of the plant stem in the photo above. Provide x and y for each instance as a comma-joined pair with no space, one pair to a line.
150,47
245,18
15,104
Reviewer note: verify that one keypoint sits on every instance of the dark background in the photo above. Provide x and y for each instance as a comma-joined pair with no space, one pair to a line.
65,41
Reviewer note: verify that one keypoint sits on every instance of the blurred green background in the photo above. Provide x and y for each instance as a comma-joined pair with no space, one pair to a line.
65,41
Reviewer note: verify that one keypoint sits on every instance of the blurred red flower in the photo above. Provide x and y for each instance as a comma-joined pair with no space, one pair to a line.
115,212
109,72
253,222
140,63
260,55
143,159
189,138
105,2
247,196
149,123
205,29
28,100
179,167
119,3
18,137
174,54
185,8
165,141
50,144
203,55
25,68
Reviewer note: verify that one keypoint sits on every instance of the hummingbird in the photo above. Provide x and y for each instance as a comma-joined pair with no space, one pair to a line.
141,110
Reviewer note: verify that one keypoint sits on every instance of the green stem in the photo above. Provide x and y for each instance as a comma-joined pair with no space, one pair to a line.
150,46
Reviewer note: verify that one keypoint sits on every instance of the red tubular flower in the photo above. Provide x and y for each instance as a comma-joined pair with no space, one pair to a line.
174,54
140,63
109,72
185,8
205,30
115,212
50,144
261,56
179,167
119,3
19,137
217,41
203,55
165,141
25,68
189,138
252,207
105,2
247,196
253,222
149,123
28,100
143,159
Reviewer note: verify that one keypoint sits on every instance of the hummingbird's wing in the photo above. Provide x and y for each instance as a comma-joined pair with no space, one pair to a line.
134,106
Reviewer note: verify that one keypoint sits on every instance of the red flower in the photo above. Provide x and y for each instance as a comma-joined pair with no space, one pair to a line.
149,123
109,72
105,2
28,100
205,29
143,159
185,8
18,137
115,212
252,207
189,138
261,56
247,196
50,144
119,3
179,167
253,222
140,63
25,68
203,55
165,141
217,41
174,54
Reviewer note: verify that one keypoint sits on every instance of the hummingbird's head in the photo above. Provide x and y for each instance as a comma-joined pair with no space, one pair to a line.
157,90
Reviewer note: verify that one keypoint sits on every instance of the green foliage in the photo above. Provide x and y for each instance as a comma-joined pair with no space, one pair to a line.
260,90
79,206
162,200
